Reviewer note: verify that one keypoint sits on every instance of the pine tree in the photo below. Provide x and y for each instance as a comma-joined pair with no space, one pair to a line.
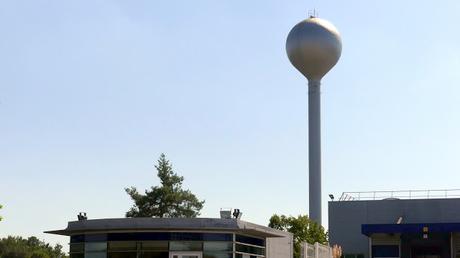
167,200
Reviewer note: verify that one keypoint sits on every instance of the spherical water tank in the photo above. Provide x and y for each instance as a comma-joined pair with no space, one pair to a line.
314,47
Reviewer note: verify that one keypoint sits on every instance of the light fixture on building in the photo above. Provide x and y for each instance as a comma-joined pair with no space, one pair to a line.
331,196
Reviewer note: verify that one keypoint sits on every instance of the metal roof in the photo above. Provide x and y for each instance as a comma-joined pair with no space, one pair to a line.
167,224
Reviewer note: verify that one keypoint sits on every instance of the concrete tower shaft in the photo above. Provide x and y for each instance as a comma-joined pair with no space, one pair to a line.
314,150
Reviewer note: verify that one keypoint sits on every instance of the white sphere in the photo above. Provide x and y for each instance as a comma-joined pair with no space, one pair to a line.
314,47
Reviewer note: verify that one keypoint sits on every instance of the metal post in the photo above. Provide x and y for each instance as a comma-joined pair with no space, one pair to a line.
303,253
316,250
370,246
314,150
234,246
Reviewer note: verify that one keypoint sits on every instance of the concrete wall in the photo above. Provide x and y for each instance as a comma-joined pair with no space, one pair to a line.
279,247
346,218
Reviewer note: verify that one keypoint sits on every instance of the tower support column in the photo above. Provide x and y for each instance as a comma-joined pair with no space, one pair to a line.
314,149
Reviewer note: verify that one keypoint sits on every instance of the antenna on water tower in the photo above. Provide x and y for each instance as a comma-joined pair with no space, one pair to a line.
314,47
312,13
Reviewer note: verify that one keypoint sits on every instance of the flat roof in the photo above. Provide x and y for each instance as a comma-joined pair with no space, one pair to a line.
167,224
400,195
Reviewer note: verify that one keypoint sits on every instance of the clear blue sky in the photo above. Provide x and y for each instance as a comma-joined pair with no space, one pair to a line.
91,92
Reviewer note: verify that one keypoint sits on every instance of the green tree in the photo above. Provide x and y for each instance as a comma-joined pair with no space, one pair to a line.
33,242
166,200
0,209
32,247
41,254
303,229
57,251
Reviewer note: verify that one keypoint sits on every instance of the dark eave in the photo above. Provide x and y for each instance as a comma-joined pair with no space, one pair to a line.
167,224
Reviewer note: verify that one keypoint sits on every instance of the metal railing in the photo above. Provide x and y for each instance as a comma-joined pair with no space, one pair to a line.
316,250
400,194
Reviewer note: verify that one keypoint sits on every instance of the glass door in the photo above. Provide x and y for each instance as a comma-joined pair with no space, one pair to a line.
185,255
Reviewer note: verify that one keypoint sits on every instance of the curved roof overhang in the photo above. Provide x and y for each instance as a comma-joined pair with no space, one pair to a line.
167,224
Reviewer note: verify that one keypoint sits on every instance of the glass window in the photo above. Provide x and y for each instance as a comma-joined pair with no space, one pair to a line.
250,240
141,236
79,255
77,238
96,247
385,251
185,246
154,246
184,236
96,238
250,249
77,248
217,246
155,255
242,256
217,255
167,236
122,255
96,255
217,237
122,246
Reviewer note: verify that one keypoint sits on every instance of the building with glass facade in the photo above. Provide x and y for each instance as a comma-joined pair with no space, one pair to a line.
175,238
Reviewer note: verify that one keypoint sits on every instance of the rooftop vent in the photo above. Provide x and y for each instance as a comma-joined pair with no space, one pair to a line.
226,213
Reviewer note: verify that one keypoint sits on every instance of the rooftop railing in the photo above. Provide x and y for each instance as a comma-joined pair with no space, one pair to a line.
400,194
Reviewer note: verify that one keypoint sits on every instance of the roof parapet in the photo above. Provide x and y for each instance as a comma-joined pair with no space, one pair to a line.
400,194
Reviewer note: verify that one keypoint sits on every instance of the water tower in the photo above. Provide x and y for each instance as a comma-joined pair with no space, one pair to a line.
314,47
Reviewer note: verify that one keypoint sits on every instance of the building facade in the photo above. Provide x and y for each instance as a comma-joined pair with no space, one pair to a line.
393,227
174,238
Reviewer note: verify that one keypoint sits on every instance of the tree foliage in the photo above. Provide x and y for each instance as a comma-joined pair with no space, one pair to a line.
166,200
0,209
32,247
303,229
